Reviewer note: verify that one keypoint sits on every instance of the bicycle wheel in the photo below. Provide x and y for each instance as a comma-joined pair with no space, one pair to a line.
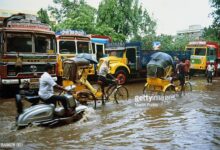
109,92
121,93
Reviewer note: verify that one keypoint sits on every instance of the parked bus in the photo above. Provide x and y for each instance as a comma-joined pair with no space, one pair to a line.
99,43
202,53
70,43
26,45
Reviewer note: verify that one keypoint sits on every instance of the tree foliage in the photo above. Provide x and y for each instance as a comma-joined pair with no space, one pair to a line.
125,17
216,12
76,14
43,16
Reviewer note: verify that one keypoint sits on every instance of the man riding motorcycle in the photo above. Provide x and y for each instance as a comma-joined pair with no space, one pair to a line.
46,90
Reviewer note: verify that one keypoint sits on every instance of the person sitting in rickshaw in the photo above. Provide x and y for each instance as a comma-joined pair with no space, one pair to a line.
104,76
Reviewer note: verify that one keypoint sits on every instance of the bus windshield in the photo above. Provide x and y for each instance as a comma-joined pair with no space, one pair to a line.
200,51
211,51
67,47
190,49
17,42
83,47
43,43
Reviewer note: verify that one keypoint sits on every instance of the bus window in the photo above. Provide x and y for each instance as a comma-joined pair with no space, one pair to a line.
190,49
43,43
200,51
19,42
211,51
67,47
83,47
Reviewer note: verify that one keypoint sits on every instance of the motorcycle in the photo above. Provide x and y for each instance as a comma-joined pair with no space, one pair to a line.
48,115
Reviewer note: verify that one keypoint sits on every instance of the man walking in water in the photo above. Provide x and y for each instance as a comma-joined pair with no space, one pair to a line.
210,72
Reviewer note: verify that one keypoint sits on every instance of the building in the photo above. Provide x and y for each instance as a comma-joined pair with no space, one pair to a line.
193,32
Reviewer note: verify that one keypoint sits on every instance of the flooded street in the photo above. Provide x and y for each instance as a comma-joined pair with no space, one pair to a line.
188,122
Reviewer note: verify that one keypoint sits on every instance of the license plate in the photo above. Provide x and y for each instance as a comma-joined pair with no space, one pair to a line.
34,83
34,80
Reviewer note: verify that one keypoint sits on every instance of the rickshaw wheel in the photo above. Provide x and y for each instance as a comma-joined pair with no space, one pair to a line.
170,91
188,87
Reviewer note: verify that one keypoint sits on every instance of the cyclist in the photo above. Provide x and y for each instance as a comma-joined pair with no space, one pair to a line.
104,76
181,73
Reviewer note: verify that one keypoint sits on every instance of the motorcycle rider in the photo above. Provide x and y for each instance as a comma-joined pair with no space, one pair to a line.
46,90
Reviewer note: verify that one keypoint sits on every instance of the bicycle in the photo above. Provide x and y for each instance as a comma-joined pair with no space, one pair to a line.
114,91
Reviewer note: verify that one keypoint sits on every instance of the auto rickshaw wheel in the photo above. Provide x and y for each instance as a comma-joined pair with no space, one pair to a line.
169,92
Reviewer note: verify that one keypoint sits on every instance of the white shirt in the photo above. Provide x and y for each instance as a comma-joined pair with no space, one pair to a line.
103,71
211,68
46,86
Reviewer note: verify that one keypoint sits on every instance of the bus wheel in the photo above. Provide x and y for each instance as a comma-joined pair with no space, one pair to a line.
121,76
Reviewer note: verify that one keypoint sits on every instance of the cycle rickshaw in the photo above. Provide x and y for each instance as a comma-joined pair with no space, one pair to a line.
161,77
76,71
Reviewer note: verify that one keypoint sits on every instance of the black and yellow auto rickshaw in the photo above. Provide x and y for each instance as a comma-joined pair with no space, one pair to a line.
161,75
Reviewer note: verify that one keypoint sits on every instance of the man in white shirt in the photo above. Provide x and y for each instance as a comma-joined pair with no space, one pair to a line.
210,72
104,75
46,91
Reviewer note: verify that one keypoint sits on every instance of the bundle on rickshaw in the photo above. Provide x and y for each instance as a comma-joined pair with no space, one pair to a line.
75,73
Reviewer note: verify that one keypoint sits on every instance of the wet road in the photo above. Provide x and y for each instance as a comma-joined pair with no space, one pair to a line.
189,122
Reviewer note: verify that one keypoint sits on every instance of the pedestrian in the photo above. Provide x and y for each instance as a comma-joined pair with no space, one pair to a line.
181,73
210,72
187,68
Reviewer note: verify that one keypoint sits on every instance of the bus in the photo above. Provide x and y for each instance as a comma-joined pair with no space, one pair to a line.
26,45
99,43
69,44
203,53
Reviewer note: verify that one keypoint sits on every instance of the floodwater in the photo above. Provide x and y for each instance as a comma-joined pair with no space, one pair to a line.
189,122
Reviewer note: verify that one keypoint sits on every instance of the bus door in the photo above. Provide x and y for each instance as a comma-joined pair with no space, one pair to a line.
98,50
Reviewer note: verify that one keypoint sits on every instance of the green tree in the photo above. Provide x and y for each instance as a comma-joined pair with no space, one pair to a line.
212,33
43,16
216,12
76,14
125,17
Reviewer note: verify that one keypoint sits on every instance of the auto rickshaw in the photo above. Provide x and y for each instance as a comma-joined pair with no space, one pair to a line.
161,77
76,71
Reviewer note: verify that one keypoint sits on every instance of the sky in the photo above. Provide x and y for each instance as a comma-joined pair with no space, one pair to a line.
170,15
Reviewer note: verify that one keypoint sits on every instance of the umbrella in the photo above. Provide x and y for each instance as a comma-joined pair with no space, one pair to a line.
89,57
